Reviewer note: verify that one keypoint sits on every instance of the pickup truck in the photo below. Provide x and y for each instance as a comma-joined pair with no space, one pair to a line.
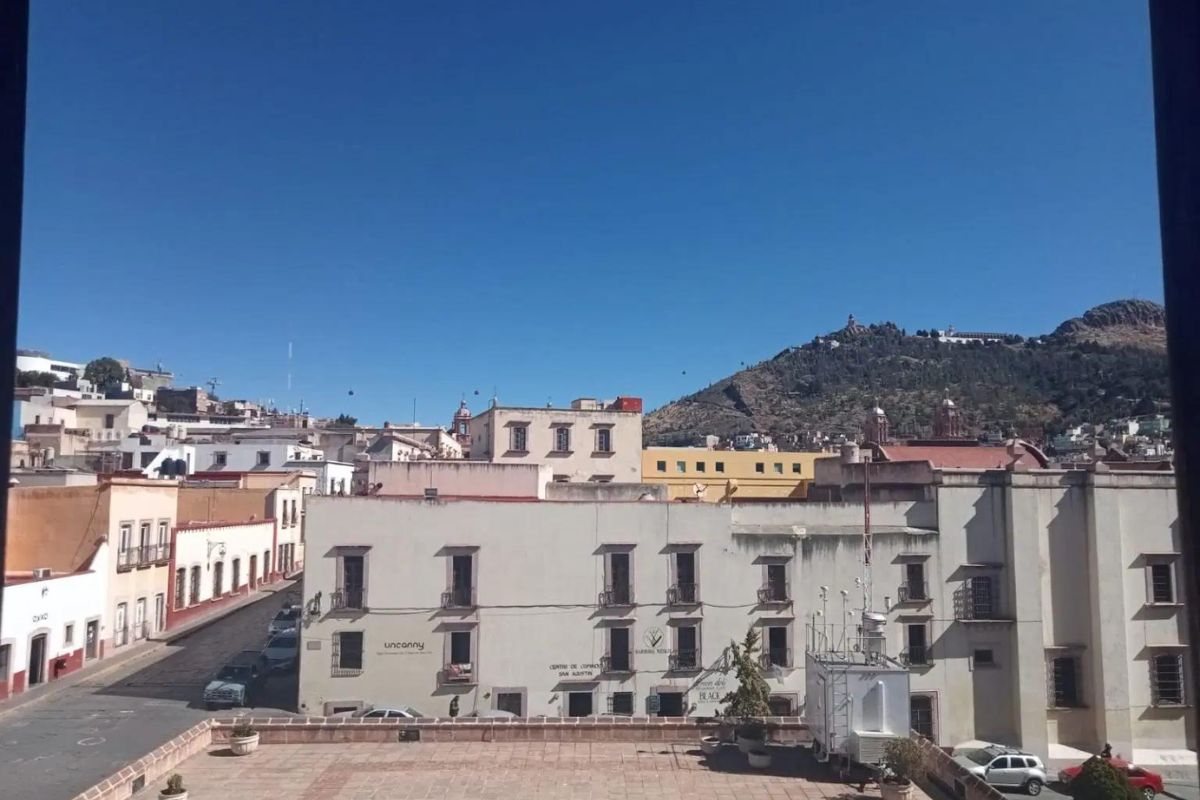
238,682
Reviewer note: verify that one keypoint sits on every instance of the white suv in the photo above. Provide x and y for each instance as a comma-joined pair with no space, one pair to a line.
1005,766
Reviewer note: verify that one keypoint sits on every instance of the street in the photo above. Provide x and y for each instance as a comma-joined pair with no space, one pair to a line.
60,745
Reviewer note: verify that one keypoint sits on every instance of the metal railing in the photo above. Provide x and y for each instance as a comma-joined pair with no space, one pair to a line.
977,599
683,594
775,592
458,673
128,558
912,592
775,657
683,661
916,656
459,597
620,662
348,600
616,596
143,555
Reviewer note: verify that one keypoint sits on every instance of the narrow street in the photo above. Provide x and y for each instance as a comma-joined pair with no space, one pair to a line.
59,745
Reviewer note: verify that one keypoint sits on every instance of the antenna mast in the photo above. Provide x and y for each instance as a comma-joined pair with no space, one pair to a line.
866,582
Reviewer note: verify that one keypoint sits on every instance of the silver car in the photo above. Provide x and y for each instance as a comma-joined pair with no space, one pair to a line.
1005,766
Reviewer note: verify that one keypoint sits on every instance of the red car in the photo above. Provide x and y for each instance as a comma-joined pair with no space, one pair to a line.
1149,783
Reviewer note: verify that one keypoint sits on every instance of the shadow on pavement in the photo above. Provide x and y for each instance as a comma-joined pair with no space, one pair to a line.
786,761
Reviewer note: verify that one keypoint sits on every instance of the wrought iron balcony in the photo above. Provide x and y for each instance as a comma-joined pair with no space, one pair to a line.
617,662
775,592
683,594
463,673
348,600
683,661
615,597
775,657
912,592
916,656
128,558
459,597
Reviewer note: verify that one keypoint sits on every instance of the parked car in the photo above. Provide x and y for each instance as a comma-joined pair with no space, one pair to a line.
371,712
490,713
238,682
288,619
1147,782
282,652
1005,766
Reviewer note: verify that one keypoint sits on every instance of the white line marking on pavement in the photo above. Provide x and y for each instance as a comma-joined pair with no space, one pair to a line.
91,741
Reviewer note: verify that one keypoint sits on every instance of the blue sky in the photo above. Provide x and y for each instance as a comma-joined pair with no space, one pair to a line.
572,198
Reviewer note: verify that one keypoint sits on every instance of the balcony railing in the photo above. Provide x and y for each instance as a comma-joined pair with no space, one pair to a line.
143,556
774,592
620,662
683,594
616,596
683,661
916,656
458,673
775,657
348,600
912,592
459,597
128,558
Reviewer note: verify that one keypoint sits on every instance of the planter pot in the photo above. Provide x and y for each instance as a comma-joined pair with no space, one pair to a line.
181,796
709,745
895,791
759,758
746,745
243,745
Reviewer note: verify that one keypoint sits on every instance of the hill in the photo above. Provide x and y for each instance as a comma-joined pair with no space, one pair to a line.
1109,362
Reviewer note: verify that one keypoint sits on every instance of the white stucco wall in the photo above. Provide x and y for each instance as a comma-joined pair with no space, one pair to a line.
47,606
205,546
460,478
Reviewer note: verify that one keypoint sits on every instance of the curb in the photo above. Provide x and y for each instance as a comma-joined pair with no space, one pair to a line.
149,647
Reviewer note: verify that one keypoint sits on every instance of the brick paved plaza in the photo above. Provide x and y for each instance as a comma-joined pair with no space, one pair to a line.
503,771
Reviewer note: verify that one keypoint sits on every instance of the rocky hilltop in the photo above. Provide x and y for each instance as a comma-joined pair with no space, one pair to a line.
1109,362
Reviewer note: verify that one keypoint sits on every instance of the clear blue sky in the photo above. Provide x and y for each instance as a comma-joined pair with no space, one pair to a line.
569,198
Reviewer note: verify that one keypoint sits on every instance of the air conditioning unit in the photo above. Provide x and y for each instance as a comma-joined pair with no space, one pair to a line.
431,493
41,572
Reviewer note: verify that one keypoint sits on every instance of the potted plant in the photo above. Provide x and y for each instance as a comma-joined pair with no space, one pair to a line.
903,762
243,739
760,756
748,702
174,790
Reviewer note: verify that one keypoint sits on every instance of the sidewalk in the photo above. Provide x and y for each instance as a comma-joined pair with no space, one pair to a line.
141,651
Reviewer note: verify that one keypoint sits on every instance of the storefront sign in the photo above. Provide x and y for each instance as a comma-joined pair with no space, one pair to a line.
404,649
575,670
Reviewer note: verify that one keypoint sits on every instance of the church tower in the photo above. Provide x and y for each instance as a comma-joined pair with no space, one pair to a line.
876,428
947,422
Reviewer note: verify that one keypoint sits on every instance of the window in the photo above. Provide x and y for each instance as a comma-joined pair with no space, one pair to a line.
221,458
700,466
775,647
461,591
144,539
983,658
618,582
562,478
218,579
719,466
351,581
684,590
347,653
126,536
913,588
1064,682
519,438
194,595
796,470
579,704
69,634
180,586
1160,575
5,658
681,467
917,637
976,599
687,648
920,714
109,420
619,658
775,585
782,705
603,440
512,702
760,467
661,466
1166,679
562,439
621,703
459,661
264,458
236,575
778,468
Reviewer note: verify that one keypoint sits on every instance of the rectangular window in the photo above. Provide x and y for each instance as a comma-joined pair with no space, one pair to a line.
621,702
520,438
180,586
618,583
913,588
687,648
220,458
775,587
126,537
700,466
512,702
760,467
920,713
619,657
719,466
1064,682
109,420
1162,582
347,652
918,644
796,470
144,539
976,599
1166,679
264,458
579,704
164,535
781,705
562,439
461,591
69,634
778,468
681,467
775,647
194,594
603,440
351,590
983,658
684,590
661,466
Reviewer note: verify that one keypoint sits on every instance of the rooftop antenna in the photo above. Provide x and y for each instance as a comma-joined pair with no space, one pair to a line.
289,368
866,580
414,412
212,384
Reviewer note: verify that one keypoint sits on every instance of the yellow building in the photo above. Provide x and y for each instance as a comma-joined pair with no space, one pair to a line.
728,475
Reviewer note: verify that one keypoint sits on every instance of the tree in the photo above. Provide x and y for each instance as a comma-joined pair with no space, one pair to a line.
105,373
1099,780
36,378
345,421
750,698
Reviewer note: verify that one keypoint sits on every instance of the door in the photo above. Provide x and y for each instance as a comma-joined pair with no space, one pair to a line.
91,634
1003,772
160,612
670,704
120,626
579,704
37,660
620,579
777,649
685,577
253,570
218,579
139,618
462,580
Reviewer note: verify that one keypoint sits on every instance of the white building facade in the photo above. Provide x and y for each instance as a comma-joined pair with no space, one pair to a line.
216,562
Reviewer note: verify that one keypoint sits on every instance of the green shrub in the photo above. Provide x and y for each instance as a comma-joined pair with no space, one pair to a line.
243,729
903,760
1099,780
174,785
